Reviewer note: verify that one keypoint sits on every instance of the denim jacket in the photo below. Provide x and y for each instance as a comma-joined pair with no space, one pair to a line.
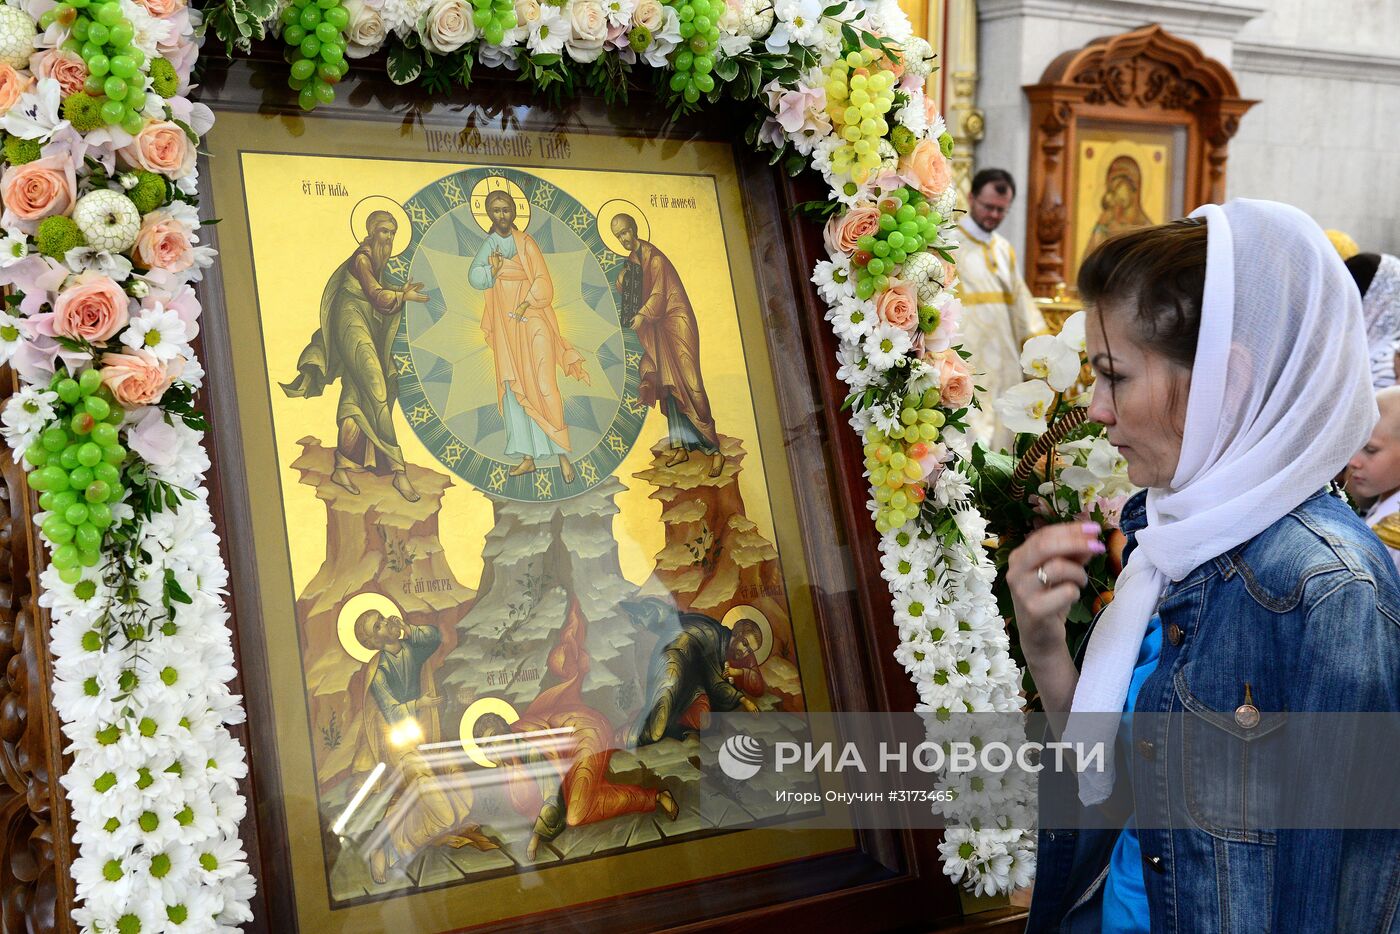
1308,614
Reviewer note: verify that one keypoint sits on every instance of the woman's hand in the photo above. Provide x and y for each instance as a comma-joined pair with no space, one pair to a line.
1045,575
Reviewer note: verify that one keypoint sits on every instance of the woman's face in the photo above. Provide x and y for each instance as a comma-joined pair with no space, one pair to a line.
1139,396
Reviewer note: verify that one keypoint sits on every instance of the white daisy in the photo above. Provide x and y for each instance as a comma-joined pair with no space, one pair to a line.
854,321
25,415
886,345
14,247
158,331
548,33
10,336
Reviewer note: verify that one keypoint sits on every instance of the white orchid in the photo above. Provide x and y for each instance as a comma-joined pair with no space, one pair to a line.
1025,408
1048,358
1072,332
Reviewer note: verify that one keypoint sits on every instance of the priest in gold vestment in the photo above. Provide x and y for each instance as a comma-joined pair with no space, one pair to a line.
999,313
522,331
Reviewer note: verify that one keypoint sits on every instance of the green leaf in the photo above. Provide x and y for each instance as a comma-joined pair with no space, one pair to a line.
405,64
726,69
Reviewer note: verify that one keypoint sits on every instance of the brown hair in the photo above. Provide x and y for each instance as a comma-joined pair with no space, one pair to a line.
1159,272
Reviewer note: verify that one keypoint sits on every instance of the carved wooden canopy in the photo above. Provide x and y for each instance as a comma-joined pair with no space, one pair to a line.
1146,77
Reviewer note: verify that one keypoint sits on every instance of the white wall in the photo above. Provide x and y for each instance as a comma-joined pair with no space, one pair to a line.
1325,135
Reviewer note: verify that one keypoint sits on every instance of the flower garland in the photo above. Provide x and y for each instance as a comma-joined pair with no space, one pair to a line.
101,243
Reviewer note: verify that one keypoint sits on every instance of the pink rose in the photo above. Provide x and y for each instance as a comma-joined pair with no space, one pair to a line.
37,190
844,230
62,65
954,380
926,169
13,84
163,243
899,306
93,309
137,378
160,8
162,147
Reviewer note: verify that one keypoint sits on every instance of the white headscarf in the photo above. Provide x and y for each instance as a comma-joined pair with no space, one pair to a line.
1381,309
1280,399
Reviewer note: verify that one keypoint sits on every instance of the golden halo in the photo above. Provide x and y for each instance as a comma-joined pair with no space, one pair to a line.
745,611
351,611
467,730
359,216
495,183
611,209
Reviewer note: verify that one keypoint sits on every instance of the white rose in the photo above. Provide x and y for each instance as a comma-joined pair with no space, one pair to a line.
527,11
588,22
649,14
365,32
448,25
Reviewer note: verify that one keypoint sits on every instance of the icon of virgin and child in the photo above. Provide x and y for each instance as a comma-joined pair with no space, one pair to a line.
360,316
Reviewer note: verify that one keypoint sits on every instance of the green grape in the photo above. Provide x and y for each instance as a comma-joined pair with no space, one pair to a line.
70,575
61,501
68,457
54,439
108,14
310,46
310,17
89,381
887,223
289,15
135,102
107,474
114,453
80,27
88,559
87,537
123,66
303,69
98,65
307,98
82,423
704,82
97,407
898,257
36,455
293,35
876,266
895,240
495,33
97,492
324,92
337,16
97,35
65,556
327,33
90,454
57,530
76,514
113,111
132,122
100,514
866,243
79,477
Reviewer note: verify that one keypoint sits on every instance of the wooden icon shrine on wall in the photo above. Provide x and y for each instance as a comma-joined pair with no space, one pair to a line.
1128,131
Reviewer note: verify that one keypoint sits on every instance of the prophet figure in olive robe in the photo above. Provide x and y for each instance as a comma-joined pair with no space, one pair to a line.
655,305
522,330
359,318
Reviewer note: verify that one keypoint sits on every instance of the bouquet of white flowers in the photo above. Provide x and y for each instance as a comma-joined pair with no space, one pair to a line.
1061,468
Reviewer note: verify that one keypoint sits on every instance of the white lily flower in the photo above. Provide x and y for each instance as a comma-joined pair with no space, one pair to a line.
1072,332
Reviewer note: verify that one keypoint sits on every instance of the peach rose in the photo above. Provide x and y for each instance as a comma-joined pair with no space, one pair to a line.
65,67
163,243
162,8
954,379
899,306
137,378
926,169
12,85
38,189
843,230
162,147
93,309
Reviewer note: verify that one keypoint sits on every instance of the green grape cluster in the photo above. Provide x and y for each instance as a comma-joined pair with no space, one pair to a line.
76,467
493,18
908,224
895,460
858,96
314,33
694,59
102,35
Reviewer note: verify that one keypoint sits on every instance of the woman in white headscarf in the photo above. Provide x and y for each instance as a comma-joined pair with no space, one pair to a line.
1232,374
1377,275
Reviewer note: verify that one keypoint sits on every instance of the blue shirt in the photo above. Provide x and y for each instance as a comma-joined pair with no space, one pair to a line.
1124,891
